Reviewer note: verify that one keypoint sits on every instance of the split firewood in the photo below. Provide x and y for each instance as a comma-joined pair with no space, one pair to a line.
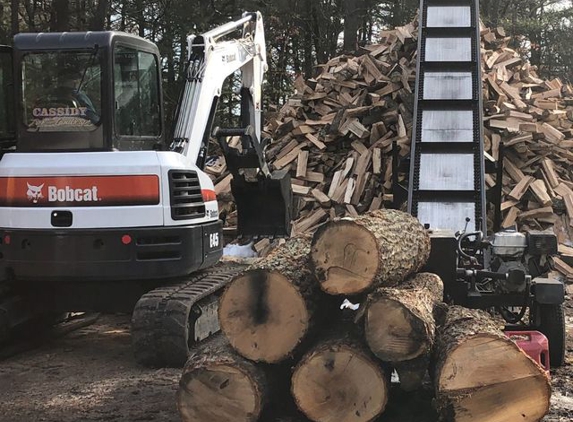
476,364
218,385
340,380
381,248
269,310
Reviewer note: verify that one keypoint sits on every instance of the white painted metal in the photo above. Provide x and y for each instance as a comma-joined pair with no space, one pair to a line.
116,163
448,86
207,72
447,126
447,172
447,215
449,16
448,49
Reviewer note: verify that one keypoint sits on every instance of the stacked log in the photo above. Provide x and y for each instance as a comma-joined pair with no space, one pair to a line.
353,255
476,366
268,311
340,380
400,326
279,314
236,388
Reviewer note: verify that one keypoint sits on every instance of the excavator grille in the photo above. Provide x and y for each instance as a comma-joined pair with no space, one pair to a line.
185,193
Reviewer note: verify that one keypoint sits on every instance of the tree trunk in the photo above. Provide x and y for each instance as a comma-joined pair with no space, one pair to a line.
381,248
270,309
60,16
15,16
351,23
219,386
481,375
98,21
340,380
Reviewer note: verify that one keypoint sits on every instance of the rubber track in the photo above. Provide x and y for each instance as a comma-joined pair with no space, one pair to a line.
160,321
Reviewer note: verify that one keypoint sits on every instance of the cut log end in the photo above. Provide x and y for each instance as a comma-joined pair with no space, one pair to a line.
218,393
487,369
345,258
393,332
263,315
339,384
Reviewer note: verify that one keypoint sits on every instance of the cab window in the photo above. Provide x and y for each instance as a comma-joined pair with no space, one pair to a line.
62,91
136,93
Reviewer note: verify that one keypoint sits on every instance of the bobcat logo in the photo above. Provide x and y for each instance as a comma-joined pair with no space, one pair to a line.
35,193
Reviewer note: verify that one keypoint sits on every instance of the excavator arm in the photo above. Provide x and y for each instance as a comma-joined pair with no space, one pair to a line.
212,58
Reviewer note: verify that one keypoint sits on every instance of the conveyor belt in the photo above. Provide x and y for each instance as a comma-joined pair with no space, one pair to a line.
447,167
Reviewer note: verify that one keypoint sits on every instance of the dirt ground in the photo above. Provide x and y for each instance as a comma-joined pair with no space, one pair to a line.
90,375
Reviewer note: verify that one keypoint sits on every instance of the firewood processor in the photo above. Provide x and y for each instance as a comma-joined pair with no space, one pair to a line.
481,265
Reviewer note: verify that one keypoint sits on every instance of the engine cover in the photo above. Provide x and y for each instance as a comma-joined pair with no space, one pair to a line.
509,244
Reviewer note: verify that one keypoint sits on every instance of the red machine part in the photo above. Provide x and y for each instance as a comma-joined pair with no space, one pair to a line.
534,343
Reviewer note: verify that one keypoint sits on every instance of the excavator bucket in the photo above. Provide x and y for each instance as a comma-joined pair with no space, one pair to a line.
264,206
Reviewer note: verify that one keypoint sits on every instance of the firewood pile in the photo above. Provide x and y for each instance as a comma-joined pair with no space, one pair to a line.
289,353
337,133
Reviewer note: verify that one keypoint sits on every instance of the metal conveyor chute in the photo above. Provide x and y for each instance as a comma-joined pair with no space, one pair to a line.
447,166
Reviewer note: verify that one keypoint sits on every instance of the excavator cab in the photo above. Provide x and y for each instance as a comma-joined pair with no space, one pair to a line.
87,91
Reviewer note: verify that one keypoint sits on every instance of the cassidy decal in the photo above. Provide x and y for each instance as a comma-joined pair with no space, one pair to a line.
60,112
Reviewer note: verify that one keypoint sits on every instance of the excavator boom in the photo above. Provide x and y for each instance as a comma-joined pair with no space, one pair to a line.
263,198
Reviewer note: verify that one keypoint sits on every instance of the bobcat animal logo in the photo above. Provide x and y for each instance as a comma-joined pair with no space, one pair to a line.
35,193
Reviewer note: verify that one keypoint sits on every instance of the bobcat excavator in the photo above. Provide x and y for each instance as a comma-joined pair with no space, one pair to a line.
99,210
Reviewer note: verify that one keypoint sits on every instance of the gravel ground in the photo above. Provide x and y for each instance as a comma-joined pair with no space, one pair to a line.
89,375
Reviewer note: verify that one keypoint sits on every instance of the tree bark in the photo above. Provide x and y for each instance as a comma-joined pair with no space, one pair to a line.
98,21
217,385
381,248
340,380
477,366
272,307
60,16
15,16
351,23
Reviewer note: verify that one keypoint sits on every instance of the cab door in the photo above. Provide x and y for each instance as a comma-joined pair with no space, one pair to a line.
7,100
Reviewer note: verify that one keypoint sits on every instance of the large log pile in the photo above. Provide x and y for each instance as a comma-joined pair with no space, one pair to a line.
336,134
278,314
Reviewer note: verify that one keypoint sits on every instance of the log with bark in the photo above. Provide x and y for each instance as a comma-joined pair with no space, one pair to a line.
400,328
340,380
381,248
399,323
481,375
218,385
268,311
